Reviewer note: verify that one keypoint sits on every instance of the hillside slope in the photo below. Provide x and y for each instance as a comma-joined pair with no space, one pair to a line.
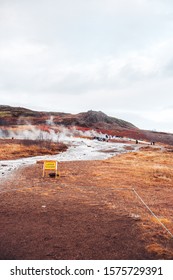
91,120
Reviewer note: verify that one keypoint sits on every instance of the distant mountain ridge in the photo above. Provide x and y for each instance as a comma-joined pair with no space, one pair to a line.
10,116
96,120
101,120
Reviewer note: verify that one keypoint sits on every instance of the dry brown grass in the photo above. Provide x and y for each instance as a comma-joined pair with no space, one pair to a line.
159,251
13,149
151,168
97,186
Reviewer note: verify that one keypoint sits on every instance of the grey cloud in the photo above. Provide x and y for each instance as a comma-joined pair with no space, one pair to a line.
168,69
100,54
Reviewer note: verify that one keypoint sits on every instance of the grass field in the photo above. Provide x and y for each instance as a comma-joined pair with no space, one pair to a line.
13,149
91,211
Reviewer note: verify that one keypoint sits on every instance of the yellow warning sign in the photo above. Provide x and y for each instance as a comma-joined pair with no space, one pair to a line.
50,165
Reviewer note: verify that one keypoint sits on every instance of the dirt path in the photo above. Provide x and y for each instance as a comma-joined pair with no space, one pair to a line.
84,214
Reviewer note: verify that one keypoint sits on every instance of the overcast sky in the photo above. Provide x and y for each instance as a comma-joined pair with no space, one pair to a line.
114,56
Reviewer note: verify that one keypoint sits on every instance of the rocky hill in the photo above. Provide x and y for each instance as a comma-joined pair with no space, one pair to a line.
97,120
102,121
91,119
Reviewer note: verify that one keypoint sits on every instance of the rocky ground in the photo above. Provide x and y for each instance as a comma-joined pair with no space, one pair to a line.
91,211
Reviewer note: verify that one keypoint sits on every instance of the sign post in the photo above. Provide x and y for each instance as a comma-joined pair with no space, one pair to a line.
50,165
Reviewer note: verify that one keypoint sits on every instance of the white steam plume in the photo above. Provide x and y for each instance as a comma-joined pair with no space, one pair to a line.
34,133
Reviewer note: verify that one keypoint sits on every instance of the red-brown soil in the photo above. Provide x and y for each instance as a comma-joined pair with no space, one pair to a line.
90,211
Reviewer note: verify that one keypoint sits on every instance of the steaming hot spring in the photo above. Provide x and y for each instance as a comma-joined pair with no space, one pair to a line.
82,145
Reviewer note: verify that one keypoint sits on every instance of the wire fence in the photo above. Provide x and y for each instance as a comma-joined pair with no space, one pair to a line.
133,190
